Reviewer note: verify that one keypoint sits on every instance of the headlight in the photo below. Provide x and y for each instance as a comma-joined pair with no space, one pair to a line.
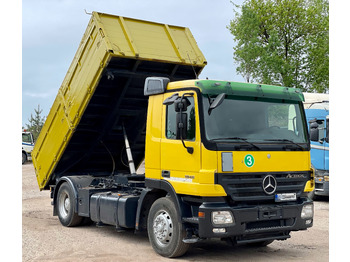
326,178
319,178
222,217
307,211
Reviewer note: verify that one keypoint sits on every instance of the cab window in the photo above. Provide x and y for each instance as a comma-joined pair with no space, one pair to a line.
170,131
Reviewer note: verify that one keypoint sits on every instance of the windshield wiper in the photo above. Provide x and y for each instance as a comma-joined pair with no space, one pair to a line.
286,140
236,138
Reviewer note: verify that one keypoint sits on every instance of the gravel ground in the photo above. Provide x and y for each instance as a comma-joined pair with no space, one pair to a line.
44,239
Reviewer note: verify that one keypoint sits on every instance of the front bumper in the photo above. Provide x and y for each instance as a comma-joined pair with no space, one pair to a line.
322,188
321,182
255,223
29,156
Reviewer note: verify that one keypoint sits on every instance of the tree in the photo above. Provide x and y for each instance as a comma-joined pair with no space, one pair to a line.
283,42
36,123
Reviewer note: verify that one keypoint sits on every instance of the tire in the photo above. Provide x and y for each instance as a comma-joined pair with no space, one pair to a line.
24,158
165,231
65,207
313,196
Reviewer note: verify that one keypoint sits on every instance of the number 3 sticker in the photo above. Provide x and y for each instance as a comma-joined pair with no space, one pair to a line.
249,160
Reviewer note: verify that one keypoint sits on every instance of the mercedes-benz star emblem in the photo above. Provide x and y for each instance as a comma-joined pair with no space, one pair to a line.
269,184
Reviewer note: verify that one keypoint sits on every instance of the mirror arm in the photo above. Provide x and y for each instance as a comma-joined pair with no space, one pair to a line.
189,148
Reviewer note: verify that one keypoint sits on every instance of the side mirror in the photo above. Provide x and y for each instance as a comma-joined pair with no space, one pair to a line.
181,104
314,131
181,130
181,125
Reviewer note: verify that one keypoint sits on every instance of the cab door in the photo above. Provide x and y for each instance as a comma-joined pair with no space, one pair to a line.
177,164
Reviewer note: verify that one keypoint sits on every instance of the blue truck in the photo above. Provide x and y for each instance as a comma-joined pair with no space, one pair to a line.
317,115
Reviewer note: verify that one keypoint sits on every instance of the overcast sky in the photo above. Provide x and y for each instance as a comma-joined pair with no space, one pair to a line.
52,30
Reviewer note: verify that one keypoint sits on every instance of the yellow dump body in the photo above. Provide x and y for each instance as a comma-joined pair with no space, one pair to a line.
103,91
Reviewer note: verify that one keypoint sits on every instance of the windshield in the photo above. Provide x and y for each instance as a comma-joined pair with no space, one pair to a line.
26,138
247,120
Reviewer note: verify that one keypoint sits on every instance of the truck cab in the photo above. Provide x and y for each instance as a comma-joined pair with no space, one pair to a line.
27,146
318,121
237,153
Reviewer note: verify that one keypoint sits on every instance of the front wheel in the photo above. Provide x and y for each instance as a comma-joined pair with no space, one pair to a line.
311,195
65,208
165,231
24,158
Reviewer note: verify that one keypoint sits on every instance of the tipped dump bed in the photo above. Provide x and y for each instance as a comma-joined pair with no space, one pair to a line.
103,90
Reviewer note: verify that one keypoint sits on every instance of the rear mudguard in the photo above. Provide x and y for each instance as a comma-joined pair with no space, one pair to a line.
74,182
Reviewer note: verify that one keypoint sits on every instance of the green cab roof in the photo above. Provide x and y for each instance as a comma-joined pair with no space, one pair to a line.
212,87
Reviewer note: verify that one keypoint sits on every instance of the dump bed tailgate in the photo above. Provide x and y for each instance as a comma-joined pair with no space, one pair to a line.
103,91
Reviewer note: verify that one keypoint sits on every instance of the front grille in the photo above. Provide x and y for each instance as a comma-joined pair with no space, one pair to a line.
249,186
319,186
269,225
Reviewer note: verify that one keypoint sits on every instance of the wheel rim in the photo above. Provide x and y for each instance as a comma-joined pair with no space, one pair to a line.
163,228
64,204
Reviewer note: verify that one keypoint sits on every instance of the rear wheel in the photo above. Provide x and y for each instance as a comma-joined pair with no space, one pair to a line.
65,208
165,231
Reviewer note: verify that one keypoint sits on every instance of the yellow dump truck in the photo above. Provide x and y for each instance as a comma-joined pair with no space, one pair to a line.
222,159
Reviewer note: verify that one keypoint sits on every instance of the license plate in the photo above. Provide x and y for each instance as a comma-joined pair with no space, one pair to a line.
285,197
